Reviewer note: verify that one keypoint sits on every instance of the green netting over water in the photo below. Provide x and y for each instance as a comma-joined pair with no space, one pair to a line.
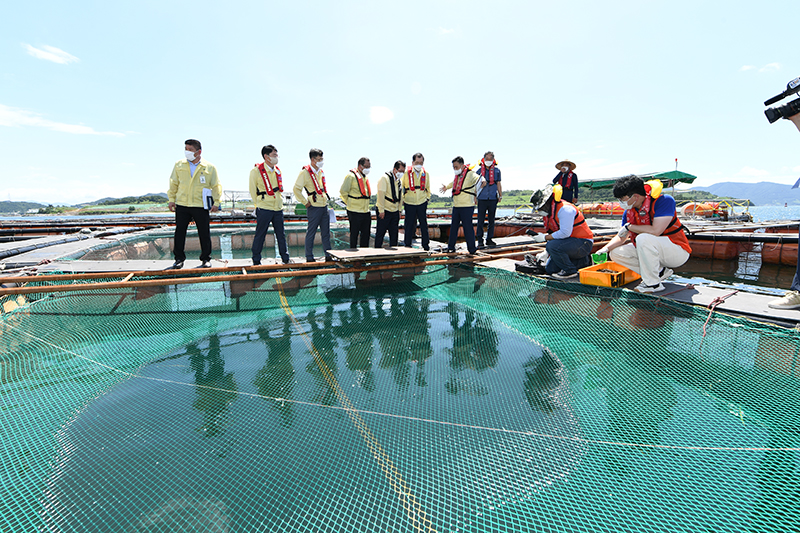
455,399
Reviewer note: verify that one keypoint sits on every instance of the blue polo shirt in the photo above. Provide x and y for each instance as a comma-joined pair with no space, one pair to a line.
489,192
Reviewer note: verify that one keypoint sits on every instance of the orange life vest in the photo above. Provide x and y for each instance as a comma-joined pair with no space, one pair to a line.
674,231
580,229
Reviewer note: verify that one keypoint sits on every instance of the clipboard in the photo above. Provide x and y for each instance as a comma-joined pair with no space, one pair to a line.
208,199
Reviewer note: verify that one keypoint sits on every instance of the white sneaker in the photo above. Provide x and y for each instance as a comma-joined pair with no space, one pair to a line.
665,273
564,275
790,300
649,288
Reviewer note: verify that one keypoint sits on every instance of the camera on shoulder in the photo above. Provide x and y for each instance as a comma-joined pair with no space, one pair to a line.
787,110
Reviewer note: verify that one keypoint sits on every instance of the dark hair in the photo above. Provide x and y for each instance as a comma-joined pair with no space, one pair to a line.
488,153
314,152
194,143
628,185
458,159
268,149
417,155
363,161
399,164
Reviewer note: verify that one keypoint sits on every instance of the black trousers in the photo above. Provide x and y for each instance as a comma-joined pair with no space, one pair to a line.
359,228
201,217
485,206
414,214
391,223
263,219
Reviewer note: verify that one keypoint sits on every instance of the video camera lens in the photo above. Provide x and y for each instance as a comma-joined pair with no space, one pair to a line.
785,111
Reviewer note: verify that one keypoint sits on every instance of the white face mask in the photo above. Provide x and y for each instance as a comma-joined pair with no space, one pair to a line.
365,171
273,160
625,205
398,175
418,168
319,164
488,163
457,171
564,169
190,156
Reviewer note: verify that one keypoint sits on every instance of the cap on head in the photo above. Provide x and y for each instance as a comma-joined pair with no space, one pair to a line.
542,196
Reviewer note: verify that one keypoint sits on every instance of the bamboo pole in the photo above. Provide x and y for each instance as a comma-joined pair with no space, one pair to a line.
251,276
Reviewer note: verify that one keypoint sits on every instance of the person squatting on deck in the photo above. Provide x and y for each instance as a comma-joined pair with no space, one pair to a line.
416,193
192,180
489,195
650,221
311,181
463,186
569,239
388,203
355,192
266,190
568,180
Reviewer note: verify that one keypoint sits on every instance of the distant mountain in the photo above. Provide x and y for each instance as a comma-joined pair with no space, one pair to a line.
145,198
18,207
762,193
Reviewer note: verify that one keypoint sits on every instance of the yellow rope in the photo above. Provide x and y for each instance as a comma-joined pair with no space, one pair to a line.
416,514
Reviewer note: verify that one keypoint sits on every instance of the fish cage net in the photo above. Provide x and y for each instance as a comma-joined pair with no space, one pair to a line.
447,398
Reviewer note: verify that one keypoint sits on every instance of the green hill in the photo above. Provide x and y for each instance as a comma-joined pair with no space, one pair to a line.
18,207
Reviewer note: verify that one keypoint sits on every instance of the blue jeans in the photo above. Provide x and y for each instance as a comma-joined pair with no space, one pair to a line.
796,281
263,219
483,207
568,255
317,218
462,216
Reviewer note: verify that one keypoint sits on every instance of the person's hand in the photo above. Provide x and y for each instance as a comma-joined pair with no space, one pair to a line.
308,204
624,231
539,238
603,250
442,188
542,256
380,215
171,206
214,208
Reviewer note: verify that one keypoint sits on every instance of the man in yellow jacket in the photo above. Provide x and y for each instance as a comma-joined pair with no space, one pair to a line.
266,190
416,193
463,204
192,186
355,192
388,203
311,182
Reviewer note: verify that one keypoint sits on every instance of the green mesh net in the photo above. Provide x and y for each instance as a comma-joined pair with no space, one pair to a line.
445,399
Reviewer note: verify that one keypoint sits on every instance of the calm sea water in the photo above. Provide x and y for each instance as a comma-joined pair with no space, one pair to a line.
744,272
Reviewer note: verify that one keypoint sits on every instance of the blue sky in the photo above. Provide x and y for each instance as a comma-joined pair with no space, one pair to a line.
98,97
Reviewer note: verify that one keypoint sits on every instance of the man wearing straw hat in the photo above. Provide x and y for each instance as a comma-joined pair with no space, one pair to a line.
568,180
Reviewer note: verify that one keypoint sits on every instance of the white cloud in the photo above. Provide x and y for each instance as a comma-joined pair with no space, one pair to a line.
746,67
751,172
446,31
770,67
13,118
51,53
379,114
